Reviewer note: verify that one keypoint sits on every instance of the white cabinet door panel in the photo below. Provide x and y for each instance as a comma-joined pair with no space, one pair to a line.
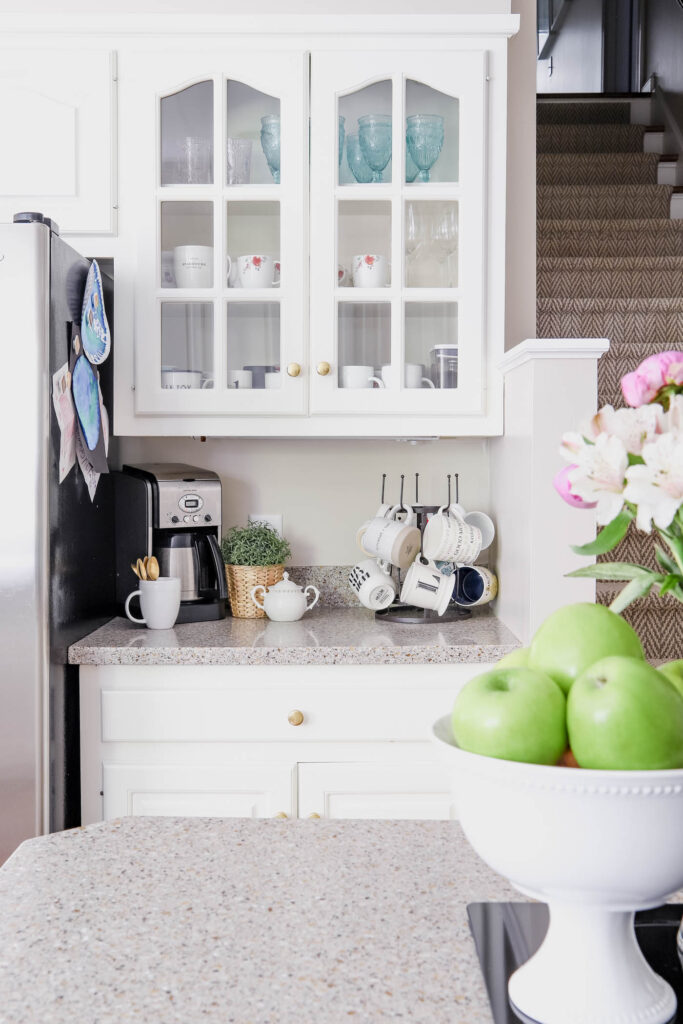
57,117
392,791
225,791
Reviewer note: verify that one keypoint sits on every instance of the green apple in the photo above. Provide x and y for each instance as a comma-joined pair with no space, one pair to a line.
515,659
514,713
673,670
622,714
574,637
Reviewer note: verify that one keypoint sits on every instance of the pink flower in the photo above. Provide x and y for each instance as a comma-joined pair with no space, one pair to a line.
642,385
564,489
369,260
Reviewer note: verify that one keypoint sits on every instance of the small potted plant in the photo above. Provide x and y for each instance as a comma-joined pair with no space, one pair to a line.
254,555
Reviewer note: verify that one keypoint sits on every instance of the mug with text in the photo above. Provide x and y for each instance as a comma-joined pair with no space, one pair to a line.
425,586
372,583
448,538
193,266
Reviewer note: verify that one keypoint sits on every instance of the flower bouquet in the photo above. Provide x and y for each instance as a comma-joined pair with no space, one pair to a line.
628,464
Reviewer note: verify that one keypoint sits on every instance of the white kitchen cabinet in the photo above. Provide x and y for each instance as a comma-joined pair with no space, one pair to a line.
196,790
417,791
338,741
315,355
58,125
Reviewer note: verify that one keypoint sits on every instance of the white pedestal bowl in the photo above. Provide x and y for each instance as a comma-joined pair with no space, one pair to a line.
595,846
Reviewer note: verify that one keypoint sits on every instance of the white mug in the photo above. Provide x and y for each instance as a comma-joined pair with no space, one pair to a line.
239,379
359,377
273,379
373,584
426,587
412,376
383,510
181,380
370,271
403,514
159,602
254,271
394,542
484,524
448,538
342,276
474,584
193,266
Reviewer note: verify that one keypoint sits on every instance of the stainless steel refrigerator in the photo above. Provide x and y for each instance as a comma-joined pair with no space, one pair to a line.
56,546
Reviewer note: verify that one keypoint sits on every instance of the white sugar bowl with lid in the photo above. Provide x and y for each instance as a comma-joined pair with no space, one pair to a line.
286,601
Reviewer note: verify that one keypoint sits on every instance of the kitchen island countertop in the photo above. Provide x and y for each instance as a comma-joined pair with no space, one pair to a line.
329,636
165,920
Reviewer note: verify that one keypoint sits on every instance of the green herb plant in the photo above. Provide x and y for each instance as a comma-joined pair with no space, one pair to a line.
255,544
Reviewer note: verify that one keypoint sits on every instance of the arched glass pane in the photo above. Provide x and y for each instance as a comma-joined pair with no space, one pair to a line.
253,136
432,134
364,135
187,136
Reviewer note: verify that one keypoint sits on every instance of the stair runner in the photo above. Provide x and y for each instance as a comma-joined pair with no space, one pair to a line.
610,264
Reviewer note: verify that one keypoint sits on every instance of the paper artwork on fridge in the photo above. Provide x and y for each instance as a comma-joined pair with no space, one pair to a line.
63,405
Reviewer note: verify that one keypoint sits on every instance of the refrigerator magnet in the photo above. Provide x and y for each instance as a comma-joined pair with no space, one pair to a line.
94,326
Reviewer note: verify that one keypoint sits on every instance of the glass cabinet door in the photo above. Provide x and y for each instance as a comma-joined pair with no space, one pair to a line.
220,316
397,232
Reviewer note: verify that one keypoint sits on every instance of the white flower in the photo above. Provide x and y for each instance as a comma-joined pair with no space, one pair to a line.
673,419
657,487
572,443
633,427
600,475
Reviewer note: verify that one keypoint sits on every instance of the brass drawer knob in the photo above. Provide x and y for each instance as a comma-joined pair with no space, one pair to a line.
314,815
295,717
280,814
293,369
323,369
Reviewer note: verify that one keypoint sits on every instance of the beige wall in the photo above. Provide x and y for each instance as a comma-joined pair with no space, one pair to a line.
325,489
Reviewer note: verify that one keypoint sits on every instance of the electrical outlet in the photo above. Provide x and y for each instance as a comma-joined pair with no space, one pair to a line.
273,519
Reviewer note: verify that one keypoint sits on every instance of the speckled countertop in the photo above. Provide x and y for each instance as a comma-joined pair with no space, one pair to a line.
330,636
235,921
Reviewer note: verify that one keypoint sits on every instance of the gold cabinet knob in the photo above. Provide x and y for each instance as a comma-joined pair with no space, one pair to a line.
314,815
280,814
323,369
295,717
293,369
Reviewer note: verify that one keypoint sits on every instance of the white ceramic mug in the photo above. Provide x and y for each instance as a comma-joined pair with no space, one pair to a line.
159,602
448,538
474,584
372,584
484,524
181,380
394,542
193,266
239,379
426,587
359,377
403,514
342,276
412,376
370,271
254,271
383,510
273,379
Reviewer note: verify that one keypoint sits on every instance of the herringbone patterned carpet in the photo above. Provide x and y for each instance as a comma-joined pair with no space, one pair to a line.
610,265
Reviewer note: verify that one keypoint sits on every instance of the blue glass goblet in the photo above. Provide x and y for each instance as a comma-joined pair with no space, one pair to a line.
374,133
356,161
341,137
424,135
270,143
411,169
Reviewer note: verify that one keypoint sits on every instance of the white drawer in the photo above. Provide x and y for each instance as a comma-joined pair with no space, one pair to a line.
196,715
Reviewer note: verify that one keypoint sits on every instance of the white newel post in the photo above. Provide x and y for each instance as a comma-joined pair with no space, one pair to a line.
550,387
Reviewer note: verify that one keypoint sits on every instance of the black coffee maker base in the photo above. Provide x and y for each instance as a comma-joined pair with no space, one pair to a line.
202,611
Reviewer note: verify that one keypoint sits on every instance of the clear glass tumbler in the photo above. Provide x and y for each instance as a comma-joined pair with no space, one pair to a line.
238,160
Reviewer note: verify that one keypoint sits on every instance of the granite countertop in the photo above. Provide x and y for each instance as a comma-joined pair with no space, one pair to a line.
177,920
329,636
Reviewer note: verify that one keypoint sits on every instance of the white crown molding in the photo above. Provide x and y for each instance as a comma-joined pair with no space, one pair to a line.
552,348
504,25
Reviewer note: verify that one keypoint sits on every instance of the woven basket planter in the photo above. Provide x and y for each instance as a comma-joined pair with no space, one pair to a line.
241,581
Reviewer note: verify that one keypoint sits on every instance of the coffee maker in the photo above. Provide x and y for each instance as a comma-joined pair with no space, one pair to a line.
172,511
